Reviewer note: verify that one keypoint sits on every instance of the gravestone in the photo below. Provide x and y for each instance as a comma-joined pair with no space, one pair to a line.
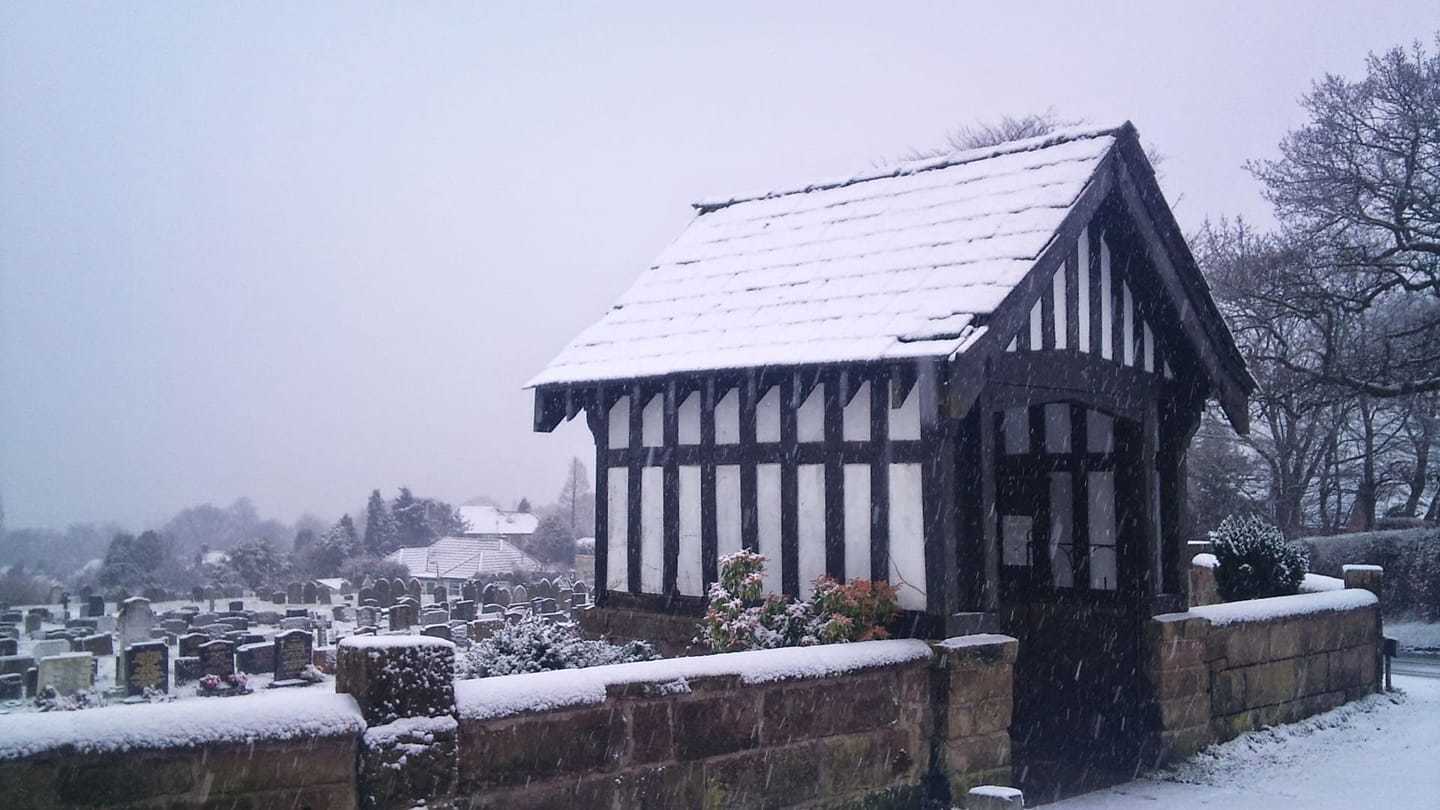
292,654
104,624
278,597
88,624
147,666
16,663
135,622
502,596
543,588
237,605
9,646
413,588
267,617
366,616
463,610
45,649
95,606
217,658
12,617
32,623
12,686
430,617
253,659
400,617
236,622
187,670
488,595
202,619
176,626
491,610
322,595
481,630
296,613
56,596
382,593
366,630
341,613
469,592
549,606
437,631
295,623
66,674
98,644
294,593
307,593
197,594
582,593
190,644
397,588
366,594
518,595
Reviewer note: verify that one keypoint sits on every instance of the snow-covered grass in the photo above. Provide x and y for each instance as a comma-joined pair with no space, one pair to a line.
1416,637
1377,752
487,698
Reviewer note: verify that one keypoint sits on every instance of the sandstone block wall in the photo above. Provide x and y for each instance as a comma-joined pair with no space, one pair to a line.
316,773
1209,682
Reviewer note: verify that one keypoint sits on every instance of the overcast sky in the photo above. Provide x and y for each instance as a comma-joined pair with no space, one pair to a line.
300,251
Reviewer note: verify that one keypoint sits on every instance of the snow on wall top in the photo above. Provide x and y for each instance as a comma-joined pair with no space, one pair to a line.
285,714
890,264
505,695
1280,607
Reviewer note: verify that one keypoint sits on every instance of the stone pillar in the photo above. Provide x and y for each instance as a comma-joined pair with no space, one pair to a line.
974,689
405,687
1176,678
1203,590
1371,578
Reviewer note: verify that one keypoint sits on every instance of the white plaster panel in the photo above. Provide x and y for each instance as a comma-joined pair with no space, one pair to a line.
767,416
810,416
1082,290
620,423
857,521
1107,303
1037,333
652,422
855,418
727,418
652,530
617,529
905,420
767,486
1062,313
689,576
810,529
689,418
1127,323
727,509
907,535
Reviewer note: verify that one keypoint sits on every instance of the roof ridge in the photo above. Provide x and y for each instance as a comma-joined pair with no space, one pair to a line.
957,158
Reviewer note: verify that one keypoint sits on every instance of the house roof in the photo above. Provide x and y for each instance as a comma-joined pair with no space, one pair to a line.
489,520
463,558
901,262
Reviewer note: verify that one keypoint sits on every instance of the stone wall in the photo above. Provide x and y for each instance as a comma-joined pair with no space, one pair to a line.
1216,672
316,772
873,724
672,634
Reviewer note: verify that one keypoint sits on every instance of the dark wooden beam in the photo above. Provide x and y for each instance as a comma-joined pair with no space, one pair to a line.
880,478
709,525
600,427
789,490
834,476
670,507
638,398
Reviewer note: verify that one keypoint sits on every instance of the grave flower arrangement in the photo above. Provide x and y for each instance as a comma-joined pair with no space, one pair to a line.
740,619
215,685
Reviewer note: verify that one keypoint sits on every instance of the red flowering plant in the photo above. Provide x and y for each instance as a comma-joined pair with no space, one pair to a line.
739,618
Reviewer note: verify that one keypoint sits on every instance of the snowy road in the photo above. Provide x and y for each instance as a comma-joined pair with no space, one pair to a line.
1379,752
1416,666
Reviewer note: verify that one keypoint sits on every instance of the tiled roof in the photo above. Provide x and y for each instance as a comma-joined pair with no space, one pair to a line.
489,520
463,558
890,264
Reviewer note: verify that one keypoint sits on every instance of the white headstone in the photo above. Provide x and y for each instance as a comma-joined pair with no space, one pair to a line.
48,648
68,673
135,621
104,624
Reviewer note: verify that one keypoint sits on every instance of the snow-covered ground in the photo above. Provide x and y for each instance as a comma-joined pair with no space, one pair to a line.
1415,637
1380,752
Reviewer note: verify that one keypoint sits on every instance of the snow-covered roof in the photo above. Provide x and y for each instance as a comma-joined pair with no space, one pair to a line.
463,558
893,263
489,520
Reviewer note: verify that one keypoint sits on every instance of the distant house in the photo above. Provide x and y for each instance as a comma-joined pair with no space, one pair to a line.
450,561
488,521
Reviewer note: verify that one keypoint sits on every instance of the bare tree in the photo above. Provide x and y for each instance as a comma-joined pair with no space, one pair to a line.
1360,184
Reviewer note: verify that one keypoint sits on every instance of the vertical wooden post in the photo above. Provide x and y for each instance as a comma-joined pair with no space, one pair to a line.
789,489
938,493
834,477
671,487
599,420
709,533
880,477
635,462
749,500
990,595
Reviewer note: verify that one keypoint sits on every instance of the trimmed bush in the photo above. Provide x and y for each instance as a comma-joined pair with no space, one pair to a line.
739,619
536,645
1410,557
1255,561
